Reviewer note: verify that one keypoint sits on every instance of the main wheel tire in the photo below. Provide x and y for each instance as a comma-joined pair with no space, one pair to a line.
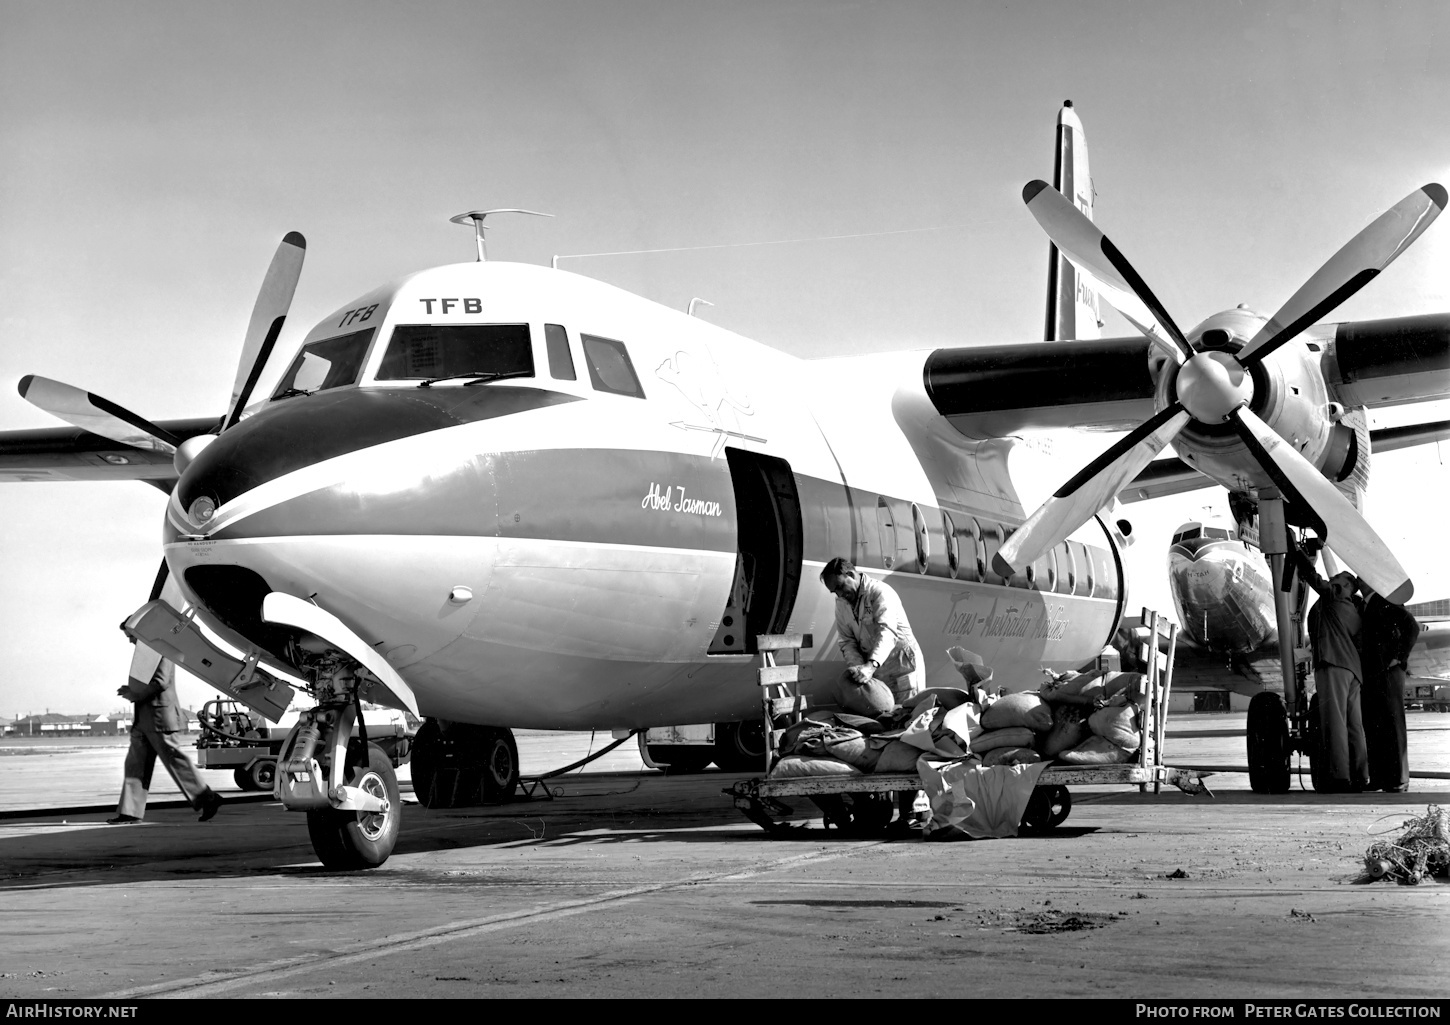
499,753
435,776
1268,744
679,759
1047,808
358,839
740,746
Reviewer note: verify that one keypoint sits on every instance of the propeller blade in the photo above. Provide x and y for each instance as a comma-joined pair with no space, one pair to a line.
268,315
91,412
1355,541
1093,252
1350,269
1094,487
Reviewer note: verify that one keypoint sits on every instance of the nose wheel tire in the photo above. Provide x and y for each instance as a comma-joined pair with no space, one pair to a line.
1268,745
346,840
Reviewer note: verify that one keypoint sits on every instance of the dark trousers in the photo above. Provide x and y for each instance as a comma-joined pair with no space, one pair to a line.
1340,724
147,744
1383,701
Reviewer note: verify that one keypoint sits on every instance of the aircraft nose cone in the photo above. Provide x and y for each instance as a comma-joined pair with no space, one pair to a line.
1212,385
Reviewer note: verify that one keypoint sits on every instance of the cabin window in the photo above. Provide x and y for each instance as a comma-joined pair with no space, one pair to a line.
1066,571
923,540
1105,576
561,361
992,538
949,537
328,363
609,366
430,352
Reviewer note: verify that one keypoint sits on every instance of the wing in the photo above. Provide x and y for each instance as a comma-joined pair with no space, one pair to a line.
69,453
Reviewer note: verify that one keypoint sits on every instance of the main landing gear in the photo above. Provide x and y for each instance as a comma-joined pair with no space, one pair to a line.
1279,725
456,765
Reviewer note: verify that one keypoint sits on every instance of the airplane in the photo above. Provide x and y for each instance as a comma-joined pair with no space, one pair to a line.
500,495
1223,595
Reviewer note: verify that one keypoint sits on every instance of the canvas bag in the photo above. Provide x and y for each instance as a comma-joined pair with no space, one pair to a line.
970,800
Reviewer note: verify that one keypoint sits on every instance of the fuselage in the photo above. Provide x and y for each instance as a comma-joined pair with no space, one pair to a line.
1221,588
589,531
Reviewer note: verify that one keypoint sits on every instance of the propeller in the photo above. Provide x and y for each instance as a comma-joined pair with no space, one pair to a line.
96,414
1214,387
108,419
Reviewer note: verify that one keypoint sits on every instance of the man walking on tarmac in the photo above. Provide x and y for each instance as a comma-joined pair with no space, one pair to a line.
1390,632
1334,631
156,721
884,666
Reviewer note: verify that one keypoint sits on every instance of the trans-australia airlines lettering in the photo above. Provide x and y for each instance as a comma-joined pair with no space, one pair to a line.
666,501
1041,622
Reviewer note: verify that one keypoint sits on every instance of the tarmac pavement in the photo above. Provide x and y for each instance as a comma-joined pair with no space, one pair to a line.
637,884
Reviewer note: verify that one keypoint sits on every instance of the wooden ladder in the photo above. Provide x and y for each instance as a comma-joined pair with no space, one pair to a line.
780,692
1158,686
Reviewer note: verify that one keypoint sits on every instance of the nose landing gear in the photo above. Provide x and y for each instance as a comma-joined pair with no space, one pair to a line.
346,785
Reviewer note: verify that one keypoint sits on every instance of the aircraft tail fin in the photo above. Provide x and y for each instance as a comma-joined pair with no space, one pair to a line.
1072,297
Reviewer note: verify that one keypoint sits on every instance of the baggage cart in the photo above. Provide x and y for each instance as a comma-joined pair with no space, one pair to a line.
863,804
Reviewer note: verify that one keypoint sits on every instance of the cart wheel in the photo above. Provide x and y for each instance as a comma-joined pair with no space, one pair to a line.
1047,808
263,774
243,778
856,815
1268,744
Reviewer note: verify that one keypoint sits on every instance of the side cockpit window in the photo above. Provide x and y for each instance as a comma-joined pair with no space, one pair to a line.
609,366
327,363
435,352
561,363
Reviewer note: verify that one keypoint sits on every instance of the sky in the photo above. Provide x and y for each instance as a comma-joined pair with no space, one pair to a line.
153,154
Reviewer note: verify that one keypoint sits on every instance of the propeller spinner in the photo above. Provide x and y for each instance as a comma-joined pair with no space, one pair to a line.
1213,387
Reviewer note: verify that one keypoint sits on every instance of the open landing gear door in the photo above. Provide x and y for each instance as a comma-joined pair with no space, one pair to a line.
176,636
290,611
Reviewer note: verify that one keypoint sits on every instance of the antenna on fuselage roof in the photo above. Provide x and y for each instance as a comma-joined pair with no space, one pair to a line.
475,217
697,301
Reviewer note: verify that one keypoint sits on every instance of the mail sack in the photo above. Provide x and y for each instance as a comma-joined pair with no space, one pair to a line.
1021,709
1095,751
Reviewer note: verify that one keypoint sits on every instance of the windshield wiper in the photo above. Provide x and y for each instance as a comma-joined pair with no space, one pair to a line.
290,392
477,376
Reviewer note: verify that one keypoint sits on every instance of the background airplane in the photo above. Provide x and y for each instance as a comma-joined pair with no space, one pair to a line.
1228,646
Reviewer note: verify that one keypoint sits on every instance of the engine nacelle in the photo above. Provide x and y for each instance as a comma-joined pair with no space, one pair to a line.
1289,394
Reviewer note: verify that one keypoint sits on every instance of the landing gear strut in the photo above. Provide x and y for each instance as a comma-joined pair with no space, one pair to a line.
1279,726
346,785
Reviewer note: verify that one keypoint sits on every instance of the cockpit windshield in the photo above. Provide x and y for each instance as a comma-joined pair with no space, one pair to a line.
328,363
431,352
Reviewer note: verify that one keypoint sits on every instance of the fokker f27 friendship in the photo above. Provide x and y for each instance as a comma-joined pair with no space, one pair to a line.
502,495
